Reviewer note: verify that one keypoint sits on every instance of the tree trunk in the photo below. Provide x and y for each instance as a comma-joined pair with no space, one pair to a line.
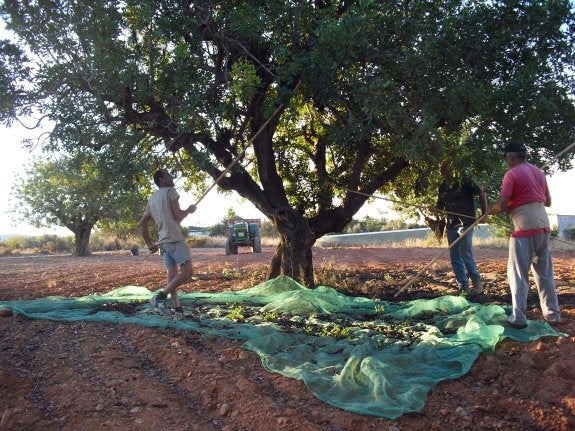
293,257
437,226
82,241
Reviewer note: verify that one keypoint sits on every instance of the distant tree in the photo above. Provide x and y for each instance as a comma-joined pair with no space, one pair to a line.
219,229
374,224
367,224
268,230
77,191
502,225
569,233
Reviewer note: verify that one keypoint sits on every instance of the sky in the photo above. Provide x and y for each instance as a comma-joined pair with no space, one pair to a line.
212,209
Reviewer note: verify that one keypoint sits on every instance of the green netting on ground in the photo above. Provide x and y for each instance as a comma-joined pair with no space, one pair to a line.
361,355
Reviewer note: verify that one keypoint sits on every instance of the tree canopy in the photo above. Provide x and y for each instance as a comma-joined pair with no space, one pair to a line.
334,97
78,191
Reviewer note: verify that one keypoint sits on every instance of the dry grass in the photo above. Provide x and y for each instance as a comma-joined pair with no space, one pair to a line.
220,242
427,242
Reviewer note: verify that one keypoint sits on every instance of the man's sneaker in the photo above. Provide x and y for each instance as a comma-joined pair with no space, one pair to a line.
553,321
477,286
179,315
160,306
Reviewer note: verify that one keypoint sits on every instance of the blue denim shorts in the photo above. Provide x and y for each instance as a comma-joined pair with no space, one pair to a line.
175,253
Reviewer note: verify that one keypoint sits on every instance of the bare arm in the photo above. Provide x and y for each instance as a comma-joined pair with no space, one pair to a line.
145,220
180,214
499,206
547,197
482,201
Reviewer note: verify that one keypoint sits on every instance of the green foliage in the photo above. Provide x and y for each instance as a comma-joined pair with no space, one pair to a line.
379,309
330,330
271,316
231,273
569,234
105,241
502,225
79,190
54,244
336,331
218,229
12,76
236,314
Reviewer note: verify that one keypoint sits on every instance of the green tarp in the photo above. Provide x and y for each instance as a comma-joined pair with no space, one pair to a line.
361,355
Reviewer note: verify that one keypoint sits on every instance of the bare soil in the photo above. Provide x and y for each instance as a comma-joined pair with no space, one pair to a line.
96,376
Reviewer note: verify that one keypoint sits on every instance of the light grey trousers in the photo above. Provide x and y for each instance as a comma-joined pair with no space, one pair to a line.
525,253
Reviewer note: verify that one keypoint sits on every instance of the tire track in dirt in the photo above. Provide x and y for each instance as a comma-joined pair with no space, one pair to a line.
69,376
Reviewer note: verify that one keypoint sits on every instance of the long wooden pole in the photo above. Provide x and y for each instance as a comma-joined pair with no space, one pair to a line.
420,272
416,276
406,204
239,156
245,147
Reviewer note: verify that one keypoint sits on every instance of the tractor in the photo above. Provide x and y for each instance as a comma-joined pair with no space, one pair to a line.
243,233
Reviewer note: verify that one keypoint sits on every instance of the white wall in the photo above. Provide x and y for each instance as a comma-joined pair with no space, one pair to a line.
562,222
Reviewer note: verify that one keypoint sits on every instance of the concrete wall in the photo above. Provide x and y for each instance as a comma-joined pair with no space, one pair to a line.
387,237
395,236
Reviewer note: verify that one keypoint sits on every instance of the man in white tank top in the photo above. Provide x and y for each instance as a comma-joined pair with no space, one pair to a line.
164,208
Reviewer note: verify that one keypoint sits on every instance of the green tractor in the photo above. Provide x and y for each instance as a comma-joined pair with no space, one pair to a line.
243,233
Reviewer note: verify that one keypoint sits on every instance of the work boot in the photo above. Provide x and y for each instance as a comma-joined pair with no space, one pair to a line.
553,321
508,324
477,286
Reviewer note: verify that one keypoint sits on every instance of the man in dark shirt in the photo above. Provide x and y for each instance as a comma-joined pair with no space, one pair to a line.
456,199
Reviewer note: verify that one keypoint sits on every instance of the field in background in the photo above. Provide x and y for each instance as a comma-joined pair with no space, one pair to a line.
409,238
358,240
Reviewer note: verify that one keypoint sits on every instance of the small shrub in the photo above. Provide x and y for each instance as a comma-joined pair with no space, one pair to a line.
197,241
569,234
237,314
44,244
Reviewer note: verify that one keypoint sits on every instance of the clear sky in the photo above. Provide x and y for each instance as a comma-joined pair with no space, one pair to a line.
214,206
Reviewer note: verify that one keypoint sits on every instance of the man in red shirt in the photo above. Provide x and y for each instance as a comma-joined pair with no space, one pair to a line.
524,196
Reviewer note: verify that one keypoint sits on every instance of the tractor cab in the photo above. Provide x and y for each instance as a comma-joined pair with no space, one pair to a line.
243,233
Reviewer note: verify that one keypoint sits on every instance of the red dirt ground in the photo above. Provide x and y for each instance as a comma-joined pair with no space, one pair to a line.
96,376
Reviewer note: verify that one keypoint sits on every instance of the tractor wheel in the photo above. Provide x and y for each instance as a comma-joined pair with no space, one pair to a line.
228,246
257,245
234,249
